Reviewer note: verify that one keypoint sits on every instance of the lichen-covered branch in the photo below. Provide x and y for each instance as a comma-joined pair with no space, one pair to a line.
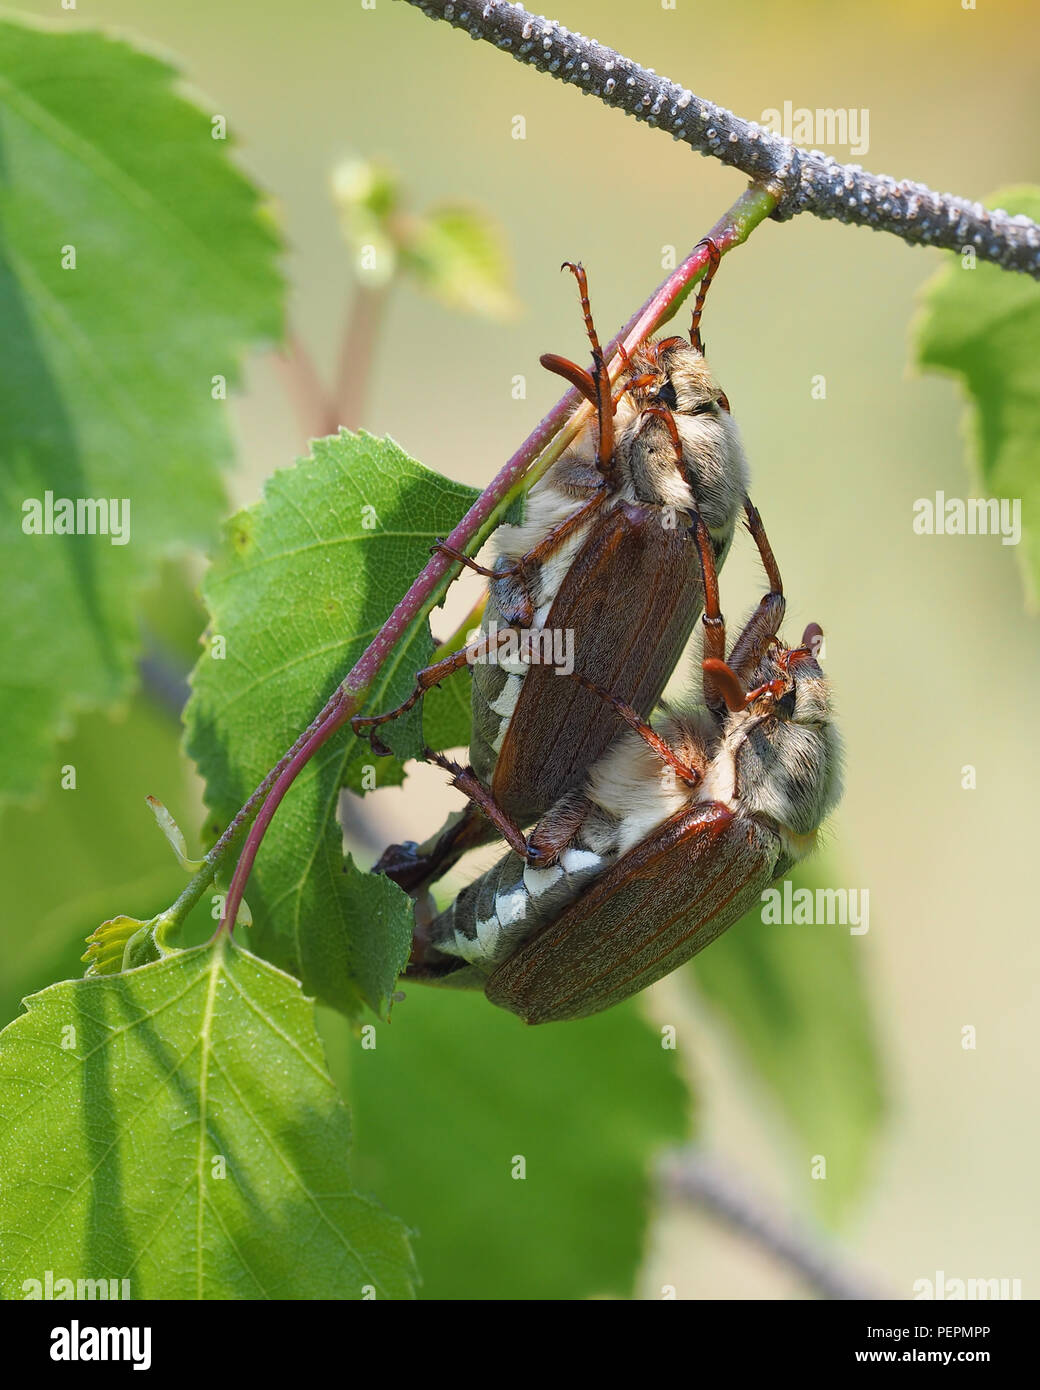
804,181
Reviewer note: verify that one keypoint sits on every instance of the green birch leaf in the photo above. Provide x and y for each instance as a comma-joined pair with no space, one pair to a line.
982,325
135,272
448,713
303,585
175,1126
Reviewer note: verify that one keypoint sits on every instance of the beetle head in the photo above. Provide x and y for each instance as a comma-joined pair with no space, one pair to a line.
674,405
669,372
786,753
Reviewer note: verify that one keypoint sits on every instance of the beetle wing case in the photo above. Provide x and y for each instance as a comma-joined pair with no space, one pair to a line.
628,604
653,910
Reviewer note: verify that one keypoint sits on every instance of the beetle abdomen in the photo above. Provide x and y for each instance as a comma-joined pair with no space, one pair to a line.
491,917
496,689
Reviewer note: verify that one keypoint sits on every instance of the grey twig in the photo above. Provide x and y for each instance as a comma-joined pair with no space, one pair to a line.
804,180
691,1176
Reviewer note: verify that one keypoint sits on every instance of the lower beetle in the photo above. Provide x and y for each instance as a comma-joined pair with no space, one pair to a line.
670,841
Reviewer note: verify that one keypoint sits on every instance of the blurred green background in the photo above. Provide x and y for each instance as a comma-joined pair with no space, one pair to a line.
930,652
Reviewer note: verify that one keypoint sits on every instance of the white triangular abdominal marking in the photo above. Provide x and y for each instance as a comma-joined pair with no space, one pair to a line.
505,703
539,881
475,949
575,861
511,905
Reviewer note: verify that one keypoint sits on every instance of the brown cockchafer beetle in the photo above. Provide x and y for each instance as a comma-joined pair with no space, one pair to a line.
670,841
605,556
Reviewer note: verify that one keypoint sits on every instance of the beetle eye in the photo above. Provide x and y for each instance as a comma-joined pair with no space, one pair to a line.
785,705
666,395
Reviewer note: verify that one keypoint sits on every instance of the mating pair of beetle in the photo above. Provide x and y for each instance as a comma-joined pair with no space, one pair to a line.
646,845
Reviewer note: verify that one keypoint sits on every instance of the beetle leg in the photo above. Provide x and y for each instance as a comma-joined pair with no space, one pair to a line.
428,677
516,605
470,784
726,684
442,548
518,610
714,256
690,775
764,623
635,383
714,624
712,620
558,827
758,532
600,379
551,835
414,867
549,542
578,271
661,412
